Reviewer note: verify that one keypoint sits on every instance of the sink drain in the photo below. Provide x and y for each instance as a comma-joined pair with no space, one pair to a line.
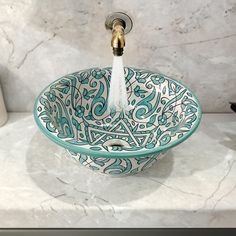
116,143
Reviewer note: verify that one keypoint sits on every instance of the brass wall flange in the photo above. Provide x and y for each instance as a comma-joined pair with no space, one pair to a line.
120,16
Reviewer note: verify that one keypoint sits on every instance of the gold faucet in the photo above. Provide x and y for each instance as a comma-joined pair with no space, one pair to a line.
120,24
118,37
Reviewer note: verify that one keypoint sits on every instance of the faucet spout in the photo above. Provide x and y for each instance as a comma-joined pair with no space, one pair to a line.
120,24
118,37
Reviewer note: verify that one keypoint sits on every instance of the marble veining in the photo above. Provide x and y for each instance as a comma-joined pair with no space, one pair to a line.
41,186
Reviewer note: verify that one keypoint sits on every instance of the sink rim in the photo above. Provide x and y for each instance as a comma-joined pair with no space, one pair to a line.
116,154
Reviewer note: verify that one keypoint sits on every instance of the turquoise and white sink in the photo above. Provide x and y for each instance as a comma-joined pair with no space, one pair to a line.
73,112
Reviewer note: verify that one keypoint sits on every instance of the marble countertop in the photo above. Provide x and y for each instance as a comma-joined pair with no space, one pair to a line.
193,185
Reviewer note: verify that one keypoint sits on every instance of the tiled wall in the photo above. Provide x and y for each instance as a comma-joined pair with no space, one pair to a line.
193,41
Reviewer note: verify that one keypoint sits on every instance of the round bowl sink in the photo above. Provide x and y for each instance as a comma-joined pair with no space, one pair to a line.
73,112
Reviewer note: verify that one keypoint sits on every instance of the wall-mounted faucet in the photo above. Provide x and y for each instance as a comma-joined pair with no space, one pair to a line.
120,24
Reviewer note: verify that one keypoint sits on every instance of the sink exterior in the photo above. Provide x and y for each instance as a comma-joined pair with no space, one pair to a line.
73,112
117,166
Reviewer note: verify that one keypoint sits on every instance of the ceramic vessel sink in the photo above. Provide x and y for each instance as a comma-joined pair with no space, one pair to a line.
72,112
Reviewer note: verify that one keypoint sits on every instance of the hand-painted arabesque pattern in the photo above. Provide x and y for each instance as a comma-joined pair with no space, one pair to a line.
73,112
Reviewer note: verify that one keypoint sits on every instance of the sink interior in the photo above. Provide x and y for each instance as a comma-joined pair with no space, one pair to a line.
73,111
